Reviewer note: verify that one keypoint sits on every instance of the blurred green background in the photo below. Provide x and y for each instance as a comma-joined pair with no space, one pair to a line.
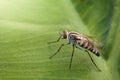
27,25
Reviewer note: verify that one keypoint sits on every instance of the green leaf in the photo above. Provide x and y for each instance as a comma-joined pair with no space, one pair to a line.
26,26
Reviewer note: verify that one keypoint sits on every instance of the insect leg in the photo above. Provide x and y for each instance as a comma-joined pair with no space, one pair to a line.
72,56
93,60
90,58
79,48
56,40
58,50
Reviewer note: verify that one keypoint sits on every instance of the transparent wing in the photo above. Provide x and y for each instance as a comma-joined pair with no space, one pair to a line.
97,44
88,36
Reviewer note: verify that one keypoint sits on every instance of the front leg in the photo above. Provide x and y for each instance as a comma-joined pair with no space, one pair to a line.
56,40
58,50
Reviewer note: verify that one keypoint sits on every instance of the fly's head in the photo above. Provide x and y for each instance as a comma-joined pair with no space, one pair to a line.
64,34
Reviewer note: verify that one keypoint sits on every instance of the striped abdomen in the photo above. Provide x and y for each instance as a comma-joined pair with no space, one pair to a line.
89,46
78,39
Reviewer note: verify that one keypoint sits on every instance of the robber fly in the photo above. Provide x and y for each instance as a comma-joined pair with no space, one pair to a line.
80,41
